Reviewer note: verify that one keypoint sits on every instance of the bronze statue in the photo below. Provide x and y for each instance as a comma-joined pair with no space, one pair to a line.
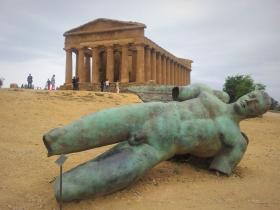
148,133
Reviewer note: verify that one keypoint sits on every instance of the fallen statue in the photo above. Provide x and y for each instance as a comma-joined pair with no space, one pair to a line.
202,124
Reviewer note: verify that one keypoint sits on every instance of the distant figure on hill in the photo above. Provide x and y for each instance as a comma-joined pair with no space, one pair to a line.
117,87
107,83
29,81
74,83
77,83
102,84
1,81
49,84
53,82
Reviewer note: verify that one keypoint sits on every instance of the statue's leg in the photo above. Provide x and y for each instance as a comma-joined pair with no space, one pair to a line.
101,128
109,172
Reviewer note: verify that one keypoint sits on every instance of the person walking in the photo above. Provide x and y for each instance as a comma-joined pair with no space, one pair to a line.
53,82
49,84
77,83
102,84
117,87
107,83
74,83
29,81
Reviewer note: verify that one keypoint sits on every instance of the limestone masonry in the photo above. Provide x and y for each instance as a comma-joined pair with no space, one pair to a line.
119,51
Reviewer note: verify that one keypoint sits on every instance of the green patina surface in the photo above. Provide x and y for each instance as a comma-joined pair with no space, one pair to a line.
204,126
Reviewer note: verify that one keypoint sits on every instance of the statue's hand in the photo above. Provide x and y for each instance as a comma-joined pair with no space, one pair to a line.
229,156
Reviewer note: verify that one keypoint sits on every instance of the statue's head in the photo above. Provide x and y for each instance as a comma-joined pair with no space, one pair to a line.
253,104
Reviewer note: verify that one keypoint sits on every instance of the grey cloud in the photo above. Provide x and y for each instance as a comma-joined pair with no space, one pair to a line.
222,37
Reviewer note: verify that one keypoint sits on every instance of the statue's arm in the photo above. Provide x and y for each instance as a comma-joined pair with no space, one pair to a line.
230,155
183,93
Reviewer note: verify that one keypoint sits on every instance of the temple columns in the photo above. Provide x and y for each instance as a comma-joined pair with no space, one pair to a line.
87,68
81,65
177,73
95,65
137,63
172,72
168,72
158,69
124,65
153,65
110,63
68,70
140,63
163,81
147,64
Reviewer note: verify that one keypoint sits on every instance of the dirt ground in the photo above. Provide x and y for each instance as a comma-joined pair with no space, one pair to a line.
26,173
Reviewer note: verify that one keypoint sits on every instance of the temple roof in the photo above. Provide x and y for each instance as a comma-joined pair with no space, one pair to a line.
104,25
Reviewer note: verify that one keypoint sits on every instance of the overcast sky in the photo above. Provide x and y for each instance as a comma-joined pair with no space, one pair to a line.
222,37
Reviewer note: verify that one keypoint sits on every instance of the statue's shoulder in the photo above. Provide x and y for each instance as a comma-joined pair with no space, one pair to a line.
213,104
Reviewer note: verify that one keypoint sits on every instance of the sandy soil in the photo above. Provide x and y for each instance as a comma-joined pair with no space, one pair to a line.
27,173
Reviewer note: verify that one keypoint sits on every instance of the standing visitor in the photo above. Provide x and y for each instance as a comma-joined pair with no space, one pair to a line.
107,83
53,82
117,87
29,81
74,83
49,84
1,81
77,83
102,85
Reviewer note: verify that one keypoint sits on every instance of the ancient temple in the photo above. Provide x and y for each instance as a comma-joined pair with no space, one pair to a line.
119,51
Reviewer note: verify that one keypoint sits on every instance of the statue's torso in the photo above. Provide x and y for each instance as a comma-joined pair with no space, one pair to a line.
205,122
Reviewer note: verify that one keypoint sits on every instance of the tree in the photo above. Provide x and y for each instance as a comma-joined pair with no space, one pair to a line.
239,85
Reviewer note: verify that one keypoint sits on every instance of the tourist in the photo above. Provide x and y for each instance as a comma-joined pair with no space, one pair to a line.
1,82
49,84
102,85
107,83
53,82
117,87
29,81
77,83
74,83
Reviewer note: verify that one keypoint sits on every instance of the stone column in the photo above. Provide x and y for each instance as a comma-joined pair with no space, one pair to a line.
176,74
172,72
77,63
133,72
189,76
87,68
163,80
158,65
168,80
81,65
140,63
147,64
68,70
181,74
153,64
110,63
185,76
124,64
95,65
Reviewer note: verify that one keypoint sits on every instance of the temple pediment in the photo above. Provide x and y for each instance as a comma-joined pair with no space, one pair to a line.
103,25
